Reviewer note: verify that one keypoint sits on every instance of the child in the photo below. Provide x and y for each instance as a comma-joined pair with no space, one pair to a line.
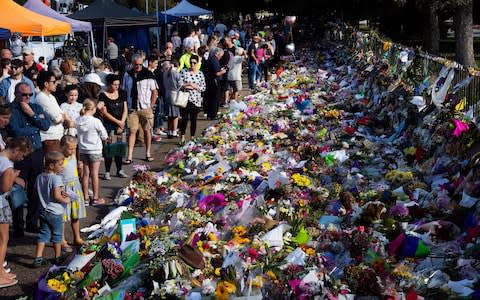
15,150
76,208
91,133
71,107
53,200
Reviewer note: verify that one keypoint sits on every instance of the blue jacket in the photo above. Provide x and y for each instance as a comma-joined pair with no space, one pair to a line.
21,125
5,85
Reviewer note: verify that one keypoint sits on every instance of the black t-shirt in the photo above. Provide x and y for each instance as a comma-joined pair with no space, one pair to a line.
251,48
114,106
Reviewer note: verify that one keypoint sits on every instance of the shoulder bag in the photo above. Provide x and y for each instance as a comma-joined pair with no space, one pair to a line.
180,98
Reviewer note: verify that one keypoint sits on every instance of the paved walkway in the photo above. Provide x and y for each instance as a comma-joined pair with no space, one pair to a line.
21,251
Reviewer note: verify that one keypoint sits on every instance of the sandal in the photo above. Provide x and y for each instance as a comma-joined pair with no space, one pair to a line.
149,158
6,282
127,162
96,202
66,248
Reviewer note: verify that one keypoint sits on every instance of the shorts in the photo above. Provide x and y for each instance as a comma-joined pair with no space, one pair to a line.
89,158
5,215
50,228
235,85
140,118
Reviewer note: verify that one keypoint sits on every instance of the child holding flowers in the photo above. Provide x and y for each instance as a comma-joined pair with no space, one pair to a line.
15,150
75,210
53,200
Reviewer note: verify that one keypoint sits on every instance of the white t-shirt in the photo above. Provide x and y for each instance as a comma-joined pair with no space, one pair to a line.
54,113
144,92
235,71
72,110
11,89
176,41
5,164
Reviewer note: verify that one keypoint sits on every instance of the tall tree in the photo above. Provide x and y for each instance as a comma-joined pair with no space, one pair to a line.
463,19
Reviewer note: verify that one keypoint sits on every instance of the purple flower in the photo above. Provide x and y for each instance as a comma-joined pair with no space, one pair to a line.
398,210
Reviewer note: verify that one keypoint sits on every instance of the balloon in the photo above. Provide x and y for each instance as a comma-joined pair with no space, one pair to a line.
290,20
290,48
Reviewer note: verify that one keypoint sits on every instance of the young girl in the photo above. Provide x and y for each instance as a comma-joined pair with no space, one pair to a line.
71,107
91,133
75,210
15,150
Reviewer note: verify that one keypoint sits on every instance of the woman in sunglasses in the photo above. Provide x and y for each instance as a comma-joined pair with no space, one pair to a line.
193,82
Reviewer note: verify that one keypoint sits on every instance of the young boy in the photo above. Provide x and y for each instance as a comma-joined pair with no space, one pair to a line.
53,199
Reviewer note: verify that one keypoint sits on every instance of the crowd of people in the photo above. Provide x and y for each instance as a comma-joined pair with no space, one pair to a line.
57,126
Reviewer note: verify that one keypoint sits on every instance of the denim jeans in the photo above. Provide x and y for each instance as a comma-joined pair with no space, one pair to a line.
252,74
50,227
159,113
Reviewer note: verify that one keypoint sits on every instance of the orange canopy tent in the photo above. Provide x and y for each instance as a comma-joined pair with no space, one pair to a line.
16,18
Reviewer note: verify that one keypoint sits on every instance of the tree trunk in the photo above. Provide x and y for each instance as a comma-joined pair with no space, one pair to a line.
463,20
431,30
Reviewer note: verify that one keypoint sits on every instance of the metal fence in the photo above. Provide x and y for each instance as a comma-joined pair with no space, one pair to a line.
431,64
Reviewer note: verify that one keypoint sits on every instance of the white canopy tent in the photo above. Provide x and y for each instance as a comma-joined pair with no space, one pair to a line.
186,9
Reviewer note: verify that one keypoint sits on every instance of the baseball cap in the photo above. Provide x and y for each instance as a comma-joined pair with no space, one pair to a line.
93,78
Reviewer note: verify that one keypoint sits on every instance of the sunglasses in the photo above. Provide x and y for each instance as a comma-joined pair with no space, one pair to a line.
136,65
14,67
26,94
53,81
193,62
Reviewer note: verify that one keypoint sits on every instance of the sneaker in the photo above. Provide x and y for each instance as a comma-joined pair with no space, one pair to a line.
160,131
122,174
39,262
106,176
7,270
4,263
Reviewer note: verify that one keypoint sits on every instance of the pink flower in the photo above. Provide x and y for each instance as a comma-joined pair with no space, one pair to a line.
253,253
460,127
214,201
295,285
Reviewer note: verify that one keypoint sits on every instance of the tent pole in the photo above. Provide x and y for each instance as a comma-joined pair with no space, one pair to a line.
93,43
43,47
104,39
165,16
158,25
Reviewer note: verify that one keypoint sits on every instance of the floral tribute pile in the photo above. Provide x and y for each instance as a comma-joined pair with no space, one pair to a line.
327,184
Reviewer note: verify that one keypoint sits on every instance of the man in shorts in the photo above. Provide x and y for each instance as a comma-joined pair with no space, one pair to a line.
144,93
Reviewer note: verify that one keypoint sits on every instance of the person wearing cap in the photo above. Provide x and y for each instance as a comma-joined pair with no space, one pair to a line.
50,138
30,67
7,85
27,120
90,88
252,61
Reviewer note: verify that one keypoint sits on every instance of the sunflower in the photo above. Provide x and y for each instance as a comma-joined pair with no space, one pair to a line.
224,289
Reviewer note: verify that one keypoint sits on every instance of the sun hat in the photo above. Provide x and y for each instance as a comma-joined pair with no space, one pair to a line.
93,78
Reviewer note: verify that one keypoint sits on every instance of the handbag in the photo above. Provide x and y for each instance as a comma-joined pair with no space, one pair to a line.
18,197
180,98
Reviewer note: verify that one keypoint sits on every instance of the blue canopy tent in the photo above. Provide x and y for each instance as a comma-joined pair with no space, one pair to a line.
4,34
170,19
